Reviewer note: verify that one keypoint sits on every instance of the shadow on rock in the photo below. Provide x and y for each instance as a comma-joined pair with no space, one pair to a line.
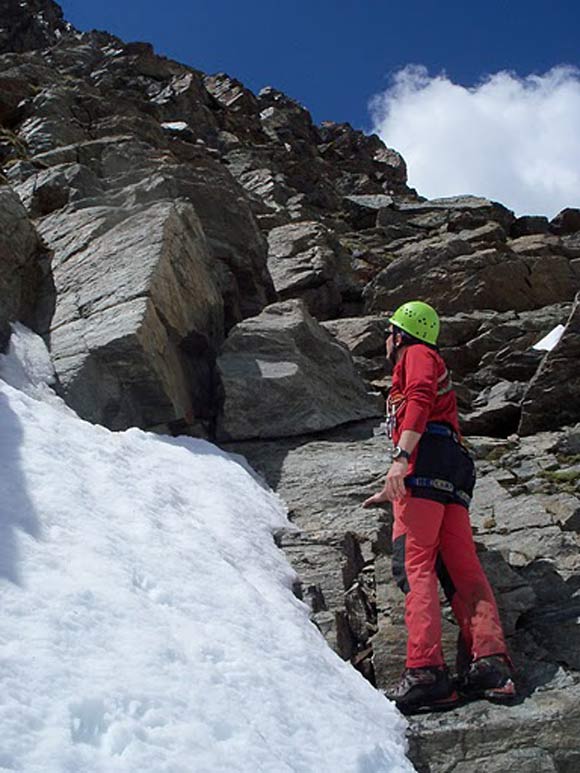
16,509
267,456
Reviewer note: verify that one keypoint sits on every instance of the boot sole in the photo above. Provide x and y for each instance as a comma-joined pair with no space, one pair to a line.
444,704
507,694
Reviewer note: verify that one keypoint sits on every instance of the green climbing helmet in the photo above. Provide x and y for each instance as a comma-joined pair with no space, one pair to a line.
418,319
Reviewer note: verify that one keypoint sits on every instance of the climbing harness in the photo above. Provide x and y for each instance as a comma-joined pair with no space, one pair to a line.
439,485
435,428
434,482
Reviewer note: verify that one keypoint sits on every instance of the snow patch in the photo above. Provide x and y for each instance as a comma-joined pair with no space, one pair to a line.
41,19
177,126
148,621
27,367
548,342
277,369
112,51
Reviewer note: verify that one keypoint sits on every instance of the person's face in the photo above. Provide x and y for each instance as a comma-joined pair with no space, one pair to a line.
390,344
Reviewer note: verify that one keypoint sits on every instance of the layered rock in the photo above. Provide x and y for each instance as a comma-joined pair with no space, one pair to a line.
363,160
295,169
532,736
484,348
304,260
140,316
23,265
457,212
453,273
95,123
30,25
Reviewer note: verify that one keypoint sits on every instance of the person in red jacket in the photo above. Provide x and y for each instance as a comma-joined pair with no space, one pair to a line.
430,483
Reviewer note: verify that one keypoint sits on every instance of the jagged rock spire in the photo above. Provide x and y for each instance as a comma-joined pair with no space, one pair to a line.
30,24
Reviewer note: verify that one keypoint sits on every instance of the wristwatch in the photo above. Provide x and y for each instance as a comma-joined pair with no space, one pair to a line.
400,453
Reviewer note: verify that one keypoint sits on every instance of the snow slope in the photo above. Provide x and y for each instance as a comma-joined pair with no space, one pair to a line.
147,622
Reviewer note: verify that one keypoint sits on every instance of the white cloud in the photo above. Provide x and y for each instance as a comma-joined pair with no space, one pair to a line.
512,139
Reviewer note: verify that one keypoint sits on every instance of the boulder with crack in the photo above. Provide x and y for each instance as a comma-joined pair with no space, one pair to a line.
282,375
139,316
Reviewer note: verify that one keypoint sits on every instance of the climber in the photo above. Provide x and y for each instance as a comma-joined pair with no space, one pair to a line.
430,483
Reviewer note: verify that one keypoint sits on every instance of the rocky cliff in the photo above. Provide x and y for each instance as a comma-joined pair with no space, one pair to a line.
204,260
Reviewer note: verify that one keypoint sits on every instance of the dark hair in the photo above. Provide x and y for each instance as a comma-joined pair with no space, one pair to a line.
409,340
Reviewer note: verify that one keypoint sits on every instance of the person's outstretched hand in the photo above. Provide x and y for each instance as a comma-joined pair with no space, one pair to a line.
377,499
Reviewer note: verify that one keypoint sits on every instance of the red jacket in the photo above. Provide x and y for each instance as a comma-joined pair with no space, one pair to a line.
421,392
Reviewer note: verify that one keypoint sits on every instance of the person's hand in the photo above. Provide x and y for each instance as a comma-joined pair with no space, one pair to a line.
377,499
394,488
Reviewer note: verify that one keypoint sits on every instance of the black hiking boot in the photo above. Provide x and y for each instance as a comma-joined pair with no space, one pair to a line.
428,688
490,677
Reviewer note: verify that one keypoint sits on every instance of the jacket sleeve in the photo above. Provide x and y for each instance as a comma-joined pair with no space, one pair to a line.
420,387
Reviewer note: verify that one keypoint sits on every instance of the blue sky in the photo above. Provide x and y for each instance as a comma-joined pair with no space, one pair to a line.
333,55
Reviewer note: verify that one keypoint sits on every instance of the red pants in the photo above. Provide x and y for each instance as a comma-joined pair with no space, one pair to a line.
423,531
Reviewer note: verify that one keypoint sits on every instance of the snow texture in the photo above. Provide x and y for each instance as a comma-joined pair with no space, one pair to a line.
147,619
549,341
175,125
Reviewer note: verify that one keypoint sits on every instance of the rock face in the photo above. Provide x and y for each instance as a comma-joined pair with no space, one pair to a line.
22,264
497,410
283,375
459,271
34,24
95,134
156,252
303,259
526,527
125,175
124,224
139,320
553,395
96,131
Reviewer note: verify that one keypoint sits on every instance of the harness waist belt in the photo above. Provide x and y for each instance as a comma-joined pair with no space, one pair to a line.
440,485
441,429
